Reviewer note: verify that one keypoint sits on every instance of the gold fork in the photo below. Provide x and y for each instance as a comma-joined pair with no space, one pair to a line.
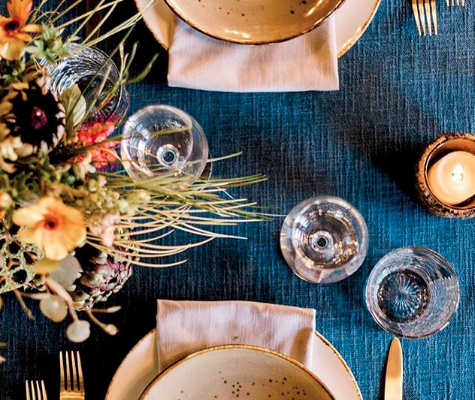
425,10
34,392
71,388
455,2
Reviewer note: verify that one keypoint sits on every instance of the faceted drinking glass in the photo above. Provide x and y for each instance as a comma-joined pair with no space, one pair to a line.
160,140
412,292
324,239
87,68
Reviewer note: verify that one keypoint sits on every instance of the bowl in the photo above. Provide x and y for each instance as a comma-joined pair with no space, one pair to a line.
254,22
237,372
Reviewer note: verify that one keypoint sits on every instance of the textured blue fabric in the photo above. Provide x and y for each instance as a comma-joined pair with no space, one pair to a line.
398,92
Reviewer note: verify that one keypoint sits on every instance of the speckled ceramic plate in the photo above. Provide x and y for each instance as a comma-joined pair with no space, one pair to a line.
140,367
254,22
231,372
351,20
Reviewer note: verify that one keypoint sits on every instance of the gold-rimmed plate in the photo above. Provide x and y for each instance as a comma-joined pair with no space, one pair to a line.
351,21
254,22
140,367
234,371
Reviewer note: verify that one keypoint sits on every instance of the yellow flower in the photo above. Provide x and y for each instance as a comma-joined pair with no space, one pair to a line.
54,227
14,32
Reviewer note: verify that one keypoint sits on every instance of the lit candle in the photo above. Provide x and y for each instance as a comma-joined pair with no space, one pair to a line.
452,178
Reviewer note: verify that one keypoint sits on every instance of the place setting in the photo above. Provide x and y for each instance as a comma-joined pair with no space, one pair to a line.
103,182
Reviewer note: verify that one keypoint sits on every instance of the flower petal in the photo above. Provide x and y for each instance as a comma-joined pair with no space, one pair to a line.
55,249
45,266
27,216
31,28
19,9
23,36
12,49
28,235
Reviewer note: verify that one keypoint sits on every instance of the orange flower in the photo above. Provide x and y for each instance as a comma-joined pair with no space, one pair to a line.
14,32
51,225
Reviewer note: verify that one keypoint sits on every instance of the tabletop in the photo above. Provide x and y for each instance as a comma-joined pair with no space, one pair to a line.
398,92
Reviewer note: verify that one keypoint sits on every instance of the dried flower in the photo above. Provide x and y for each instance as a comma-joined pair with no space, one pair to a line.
14,32
51,225
5,109
105,228
82,166
5,201
9,149
78,331
54,308
103,154
36,116
111,329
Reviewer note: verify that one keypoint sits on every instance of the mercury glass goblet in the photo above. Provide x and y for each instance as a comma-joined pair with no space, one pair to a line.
324,239
412,292
160,140
87,68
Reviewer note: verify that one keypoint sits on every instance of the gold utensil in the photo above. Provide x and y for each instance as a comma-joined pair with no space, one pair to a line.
71,388
94,20
394,372
455,3
35,390
425,11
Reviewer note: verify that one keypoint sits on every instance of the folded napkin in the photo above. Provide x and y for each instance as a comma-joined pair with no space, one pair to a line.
185,327
197,61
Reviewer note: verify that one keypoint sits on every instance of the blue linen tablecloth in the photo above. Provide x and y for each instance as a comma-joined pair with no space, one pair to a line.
398,92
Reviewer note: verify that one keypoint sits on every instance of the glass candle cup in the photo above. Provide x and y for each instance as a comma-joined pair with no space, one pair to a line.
412,292
433,156
87,68
324,239
160,140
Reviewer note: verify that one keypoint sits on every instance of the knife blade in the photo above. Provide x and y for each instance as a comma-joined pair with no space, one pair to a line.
394,372
95,19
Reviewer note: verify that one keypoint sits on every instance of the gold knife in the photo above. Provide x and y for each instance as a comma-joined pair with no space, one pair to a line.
394,372
95,19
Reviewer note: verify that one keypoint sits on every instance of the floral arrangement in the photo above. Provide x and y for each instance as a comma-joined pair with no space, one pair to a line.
72,222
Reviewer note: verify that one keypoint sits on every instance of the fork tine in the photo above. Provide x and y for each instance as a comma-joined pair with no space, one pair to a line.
429,21
33,391
74,379
27,389
434,16
415,11
61,372
422,16
38,391
43,390
81,380
68,380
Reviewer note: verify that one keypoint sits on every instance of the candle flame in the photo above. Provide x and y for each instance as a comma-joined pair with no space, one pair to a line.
458,174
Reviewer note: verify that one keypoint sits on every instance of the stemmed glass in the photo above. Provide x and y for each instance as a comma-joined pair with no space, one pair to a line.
161,140
412,292
324,239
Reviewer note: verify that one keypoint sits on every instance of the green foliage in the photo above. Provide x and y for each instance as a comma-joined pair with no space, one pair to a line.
75,107
50,46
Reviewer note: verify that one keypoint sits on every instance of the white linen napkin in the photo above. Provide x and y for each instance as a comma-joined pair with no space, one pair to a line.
196,61
185,327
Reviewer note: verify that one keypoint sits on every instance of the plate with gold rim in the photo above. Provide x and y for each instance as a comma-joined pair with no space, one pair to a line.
351,20
233,371
254,22
140,367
